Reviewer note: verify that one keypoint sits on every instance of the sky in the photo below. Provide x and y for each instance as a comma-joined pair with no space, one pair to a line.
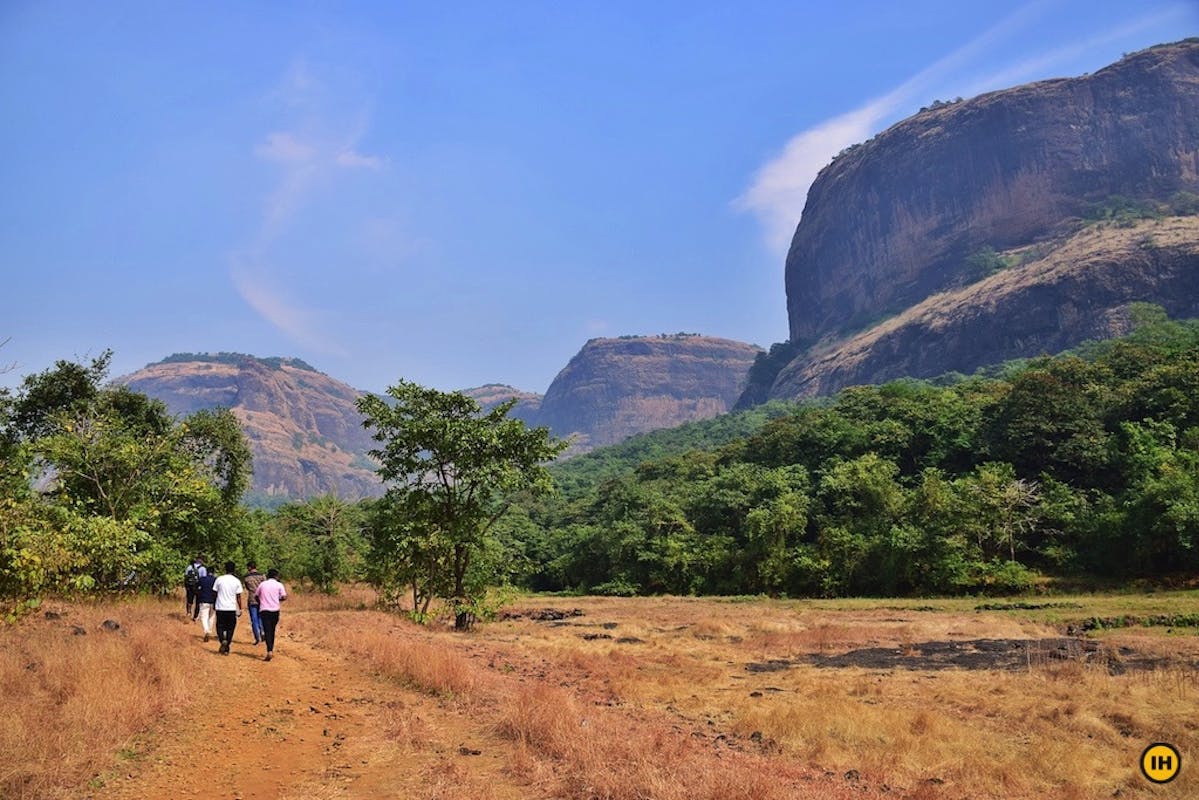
457,193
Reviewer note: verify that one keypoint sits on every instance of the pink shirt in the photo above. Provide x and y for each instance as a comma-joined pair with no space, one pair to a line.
270,592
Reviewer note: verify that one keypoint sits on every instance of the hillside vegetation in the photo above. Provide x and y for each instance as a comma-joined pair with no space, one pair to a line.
1084,465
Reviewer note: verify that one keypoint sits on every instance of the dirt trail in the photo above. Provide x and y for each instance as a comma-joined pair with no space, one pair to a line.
310,725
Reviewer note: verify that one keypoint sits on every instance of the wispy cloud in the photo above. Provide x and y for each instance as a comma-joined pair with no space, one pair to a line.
354,160
779,189
285,148
299,323
315,146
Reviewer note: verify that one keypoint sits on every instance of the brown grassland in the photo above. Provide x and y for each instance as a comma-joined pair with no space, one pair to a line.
666,698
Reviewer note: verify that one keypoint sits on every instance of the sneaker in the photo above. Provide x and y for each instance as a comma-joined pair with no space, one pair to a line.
267,658
206,637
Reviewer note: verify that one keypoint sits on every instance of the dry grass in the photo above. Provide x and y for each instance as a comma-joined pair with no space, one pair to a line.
1057,728
70,700
653,698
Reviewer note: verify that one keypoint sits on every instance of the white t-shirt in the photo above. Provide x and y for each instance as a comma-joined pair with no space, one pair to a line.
227,587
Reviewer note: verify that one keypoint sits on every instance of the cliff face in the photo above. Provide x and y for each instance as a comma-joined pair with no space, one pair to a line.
890,221
307,437
615,388
492,394
1081,290
893,228
303,428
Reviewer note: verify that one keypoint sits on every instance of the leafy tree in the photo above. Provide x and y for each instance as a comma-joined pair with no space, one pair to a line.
102,489
320,541
452,472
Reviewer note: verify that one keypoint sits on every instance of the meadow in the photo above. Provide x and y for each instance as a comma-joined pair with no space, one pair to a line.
619,698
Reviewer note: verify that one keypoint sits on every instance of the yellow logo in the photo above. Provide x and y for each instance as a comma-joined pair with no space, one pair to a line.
1160,762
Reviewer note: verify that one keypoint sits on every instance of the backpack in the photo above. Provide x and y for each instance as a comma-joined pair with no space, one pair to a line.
191,577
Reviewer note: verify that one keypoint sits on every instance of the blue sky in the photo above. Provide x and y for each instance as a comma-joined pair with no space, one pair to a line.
457,193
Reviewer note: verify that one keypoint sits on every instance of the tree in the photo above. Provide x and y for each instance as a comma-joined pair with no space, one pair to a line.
100,488
452,471
319,540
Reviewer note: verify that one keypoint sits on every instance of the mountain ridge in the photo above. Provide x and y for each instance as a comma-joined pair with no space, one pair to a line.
906,216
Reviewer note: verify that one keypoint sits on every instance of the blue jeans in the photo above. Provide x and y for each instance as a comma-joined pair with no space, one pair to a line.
255,623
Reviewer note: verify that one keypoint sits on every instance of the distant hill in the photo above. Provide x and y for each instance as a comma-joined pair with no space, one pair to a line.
615,388
492,394
1018,222
307,436
304,430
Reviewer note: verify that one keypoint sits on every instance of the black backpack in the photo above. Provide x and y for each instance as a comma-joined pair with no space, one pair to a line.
191,577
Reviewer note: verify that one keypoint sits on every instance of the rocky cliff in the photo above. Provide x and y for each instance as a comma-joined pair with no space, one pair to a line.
1080,290
303,428
307,437
615,388
492,394
907,217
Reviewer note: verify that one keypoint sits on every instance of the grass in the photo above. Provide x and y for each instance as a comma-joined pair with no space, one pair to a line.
75,693
653,698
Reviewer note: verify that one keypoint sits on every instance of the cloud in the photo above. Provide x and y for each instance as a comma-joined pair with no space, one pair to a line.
355,160
779,188
298,323
285,148
318,143
1028,68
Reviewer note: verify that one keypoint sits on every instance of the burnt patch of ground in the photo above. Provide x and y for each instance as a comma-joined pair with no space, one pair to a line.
541,614
977,654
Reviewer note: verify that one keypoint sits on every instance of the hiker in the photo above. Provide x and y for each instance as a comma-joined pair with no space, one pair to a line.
206,602
191,585
228,606
251,580
270,594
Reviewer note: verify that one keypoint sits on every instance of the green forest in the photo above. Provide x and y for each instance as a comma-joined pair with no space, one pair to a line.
1083,466
1057,470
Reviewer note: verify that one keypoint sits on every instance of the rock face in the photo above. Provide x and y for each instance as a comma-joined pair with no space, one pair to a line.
1081,290
895,221
615,388
307,436
303,428
492,394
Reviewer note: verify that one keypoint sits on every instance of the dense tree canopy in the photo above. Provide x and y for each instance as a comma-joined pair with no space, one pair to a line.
1081,465
102,488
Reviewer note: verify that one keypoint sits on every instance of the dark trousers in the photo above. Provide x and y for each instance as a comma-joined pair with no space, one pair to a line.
226,623
270,620
193,601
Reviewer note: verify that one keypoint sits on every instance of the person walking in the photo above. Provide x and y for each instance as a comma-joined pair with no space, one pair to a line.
251,580
206,603
228,606
270,594
191,584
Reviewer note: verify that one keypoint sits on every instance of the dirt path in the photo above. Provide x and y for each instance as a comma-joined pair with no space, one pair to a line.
311,725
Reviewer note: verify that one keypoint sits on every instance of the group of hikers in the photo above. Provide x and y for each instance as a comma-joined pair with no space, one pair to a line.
216,601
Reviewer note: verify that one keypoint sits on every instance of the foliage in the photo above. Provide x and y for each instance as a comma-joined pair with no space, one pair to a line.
452,472
238,360
985,262
1085,464
320,541
101,489
1124,211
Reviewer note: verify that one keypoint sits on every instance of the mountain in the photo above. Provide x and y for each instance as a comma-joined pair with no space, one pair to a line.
615,388
492,394
307,436
1018,222
303,427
